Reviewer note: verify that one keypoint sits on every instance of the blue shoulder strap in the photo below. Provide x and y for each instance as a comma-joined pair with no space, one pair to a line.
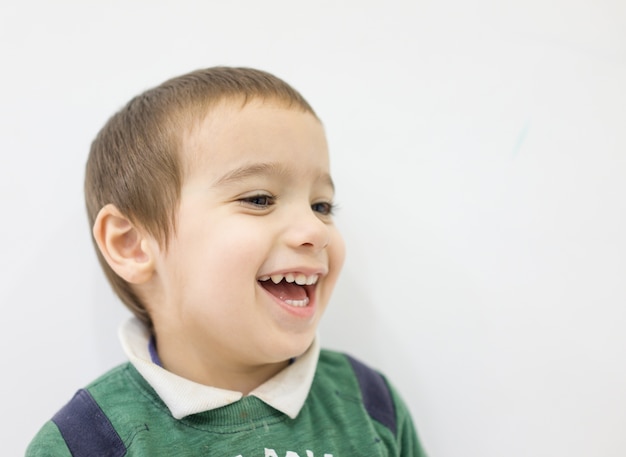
376,394
86,430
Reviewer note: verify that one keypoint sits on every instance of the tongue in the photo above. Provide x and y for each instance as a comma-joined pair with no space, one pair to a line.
285,290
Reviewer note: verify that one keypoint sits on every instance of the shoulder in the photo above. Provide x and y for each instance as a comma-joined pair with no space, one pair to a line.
355,377
47,443
77,418
378,398
113,376
344,366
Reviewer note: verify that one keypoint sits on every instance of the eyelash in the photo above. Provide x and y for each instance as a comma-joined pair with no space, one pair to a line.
328,208
263,201
268,200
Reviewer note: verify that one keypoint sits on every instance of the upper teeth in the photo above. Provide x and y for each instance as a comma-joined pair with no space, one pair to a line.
298,278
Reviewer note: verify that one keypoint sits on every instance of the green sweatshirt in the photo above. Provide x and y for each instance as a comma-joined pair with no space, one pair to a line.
347,413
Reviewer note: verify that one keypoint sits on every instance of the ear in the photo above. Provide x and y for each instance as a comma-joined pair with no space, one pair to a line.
125,248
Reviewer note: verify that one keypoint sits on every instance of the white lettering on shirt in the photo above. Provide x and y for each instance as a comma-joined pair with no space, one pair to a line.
272,453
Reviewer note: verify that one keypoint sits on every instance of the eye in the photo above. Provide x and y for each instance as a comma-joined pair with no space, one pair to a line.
323,208
259,201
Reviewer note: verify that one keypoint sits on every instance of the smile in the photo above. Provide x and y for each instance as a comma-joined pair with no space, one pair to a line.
291,288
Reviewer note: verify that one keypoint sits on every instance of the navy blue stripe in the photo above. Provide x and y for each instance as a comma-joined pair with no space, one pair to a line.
154,355
86,429
376,395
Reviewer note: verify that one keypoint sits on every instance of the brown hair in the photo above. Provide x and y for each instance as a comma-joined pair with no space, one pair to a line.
135,161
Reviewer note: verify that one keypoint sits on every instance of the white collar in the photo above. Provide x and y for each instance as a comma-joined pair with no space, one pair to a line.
287,391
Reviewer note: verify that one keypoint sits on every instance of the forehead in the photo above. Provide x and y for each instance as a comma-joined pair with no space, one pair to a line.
233,135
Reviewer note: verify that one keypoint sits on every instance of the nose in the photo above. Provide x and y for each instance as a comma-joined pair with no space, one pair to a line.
307,230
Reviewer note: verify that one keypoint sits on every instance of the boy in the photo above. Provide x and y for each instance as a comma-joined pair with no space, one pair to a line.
211,203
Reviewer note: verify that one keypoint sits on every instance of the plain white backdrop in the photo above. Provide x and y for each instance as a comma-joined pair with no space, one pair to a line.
479,150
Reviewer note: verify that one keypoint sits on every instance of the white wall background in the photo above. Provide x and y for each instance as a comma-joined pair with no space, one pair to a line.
480,154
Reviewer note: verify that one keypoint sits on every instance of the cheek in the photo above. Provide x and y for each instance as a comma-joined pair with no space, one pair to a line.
240,242
336,257
338,251
231,252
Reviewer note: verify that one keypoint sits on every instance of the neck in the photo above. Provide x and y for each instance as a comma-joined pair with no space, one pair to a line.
214,372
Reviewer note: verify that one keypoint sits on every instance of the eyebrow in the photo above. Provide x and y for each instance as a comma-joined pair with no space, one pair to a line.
271,169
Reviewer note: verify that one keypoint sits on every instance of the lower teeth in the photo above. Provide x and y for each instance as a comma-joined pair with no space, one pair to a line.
298,303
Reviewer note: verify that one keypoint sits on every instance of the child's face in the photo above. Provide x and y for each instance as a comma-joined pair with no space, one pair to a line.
254,205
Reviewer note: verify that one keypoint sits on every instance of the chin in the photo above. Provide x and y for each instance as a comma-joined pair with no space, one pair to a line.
293,346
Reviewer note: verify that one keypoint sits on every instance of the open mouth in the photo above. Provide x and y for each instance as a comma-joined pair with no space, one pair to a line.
293,289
